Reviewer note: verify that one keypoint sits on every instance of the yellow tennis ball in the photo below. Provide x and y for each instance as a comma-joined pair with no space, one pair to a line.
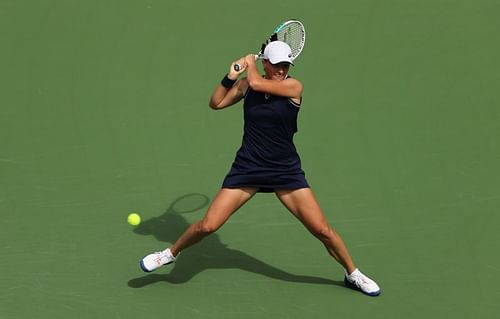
134,219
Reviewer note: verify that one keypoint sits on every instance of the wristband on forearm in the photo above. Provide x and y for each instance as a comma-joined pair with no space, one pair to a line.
227,82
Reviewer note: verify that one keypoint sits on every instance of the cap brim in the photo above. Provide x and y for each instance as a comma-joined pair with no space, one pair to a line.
282,61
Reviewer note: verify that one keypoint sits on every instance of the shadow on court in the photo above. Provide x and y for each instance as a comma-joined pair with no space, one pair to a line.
210,253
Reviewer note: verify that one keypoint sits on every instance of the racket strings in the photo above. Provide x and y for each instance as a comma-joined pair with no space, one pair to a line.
293,35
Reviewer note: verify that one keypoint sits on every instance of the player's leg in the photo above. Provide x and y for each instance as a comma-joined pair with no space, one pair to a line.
225,203
304,206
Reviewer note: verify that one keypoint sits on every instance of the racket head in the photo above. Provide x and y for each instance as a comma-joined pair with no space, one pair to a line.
293,33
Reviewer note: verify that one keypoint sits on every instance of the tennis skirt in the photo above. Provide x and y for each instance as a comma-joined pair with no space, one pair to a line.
265,181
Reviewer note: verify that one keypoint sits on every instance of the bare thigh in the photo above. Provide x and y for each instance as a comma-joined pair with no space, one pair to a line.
303,205
226,202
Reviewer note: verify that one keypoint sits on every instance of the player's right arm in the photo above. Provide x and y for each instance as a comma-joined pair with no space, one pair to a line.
223,97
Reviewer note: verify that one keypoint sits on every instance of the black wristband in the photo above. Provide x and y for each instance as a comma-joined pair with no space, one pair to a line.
227,82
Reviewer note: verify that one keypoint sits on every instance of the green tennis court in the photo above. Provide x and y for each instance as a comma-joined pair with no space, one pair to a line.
103,111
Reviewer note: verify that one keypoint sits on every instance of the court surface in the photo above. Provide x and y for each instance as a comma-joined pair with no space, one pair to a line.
103,111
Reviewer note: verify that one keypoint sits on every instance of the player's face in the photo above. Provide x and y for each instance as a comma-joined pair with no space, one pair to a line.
277,71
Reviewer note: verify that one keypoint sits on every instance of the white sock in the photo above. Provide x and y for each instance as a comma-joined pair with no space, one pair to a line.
356,271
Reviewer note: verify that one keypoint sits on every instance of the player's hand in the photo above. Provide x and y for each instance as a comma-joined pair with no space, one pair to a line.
233,74
250,59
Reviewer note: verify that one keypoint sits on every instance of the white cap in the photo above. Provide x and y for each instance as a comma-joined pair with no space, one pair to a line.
278,51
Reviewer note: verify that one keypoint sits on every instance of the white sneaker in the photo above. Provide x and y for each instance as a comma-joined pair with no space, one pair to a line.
156,260
357,280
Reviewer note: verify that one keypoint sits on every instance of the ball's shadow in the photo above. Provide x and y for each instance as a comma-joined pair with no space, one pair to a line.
210,253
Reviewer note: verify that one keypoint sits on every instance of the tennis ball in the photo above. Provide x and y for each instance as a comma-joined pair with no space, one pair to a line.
134,219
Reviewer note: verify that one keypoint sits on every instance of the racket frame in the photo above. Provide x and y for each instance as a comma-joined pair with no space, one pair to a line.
280,27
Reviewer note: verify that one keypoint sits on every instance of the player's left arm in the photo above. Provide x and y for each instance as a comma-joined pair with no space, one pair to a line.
290,87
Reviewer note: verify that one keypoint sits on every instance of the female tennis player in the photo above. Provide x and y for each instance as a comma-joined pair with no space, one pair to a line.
267,160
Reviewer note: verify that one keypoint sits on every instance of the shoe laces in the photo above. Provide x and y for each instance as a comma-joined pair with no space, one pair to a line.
359,279
158,257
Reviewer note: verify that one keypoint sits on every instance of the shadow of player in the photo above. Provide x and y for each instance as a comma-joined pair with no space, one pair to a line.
210,253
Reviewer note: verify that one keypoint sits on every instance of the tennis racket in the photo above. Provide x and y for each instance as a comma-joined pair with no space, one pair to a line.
292,32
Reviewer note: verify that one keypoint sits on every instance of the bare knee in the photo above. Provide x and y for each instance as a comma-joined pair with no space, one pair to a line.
324,232
205,227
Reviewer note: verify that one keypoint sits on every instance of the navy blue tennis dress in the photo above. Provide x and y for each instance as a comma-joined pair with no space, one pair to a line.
267,158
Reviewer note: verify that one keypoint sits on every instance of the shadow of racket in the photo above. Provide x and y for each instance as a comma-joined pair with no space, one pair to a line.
210,253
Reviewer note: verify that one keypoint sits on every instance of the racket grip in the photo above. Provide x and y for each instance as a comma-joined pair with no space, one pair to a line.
237,67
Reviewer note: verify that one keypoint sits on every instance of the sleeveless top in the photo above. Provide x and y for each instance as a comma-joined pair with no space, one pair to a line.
267,158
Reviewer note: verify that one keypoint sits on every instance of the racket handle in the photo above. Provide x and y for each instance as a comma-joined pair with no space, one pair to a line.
237,67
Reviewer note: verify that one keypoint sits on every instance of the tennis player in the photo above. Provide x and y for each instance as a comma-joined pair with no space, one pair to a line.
267,160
